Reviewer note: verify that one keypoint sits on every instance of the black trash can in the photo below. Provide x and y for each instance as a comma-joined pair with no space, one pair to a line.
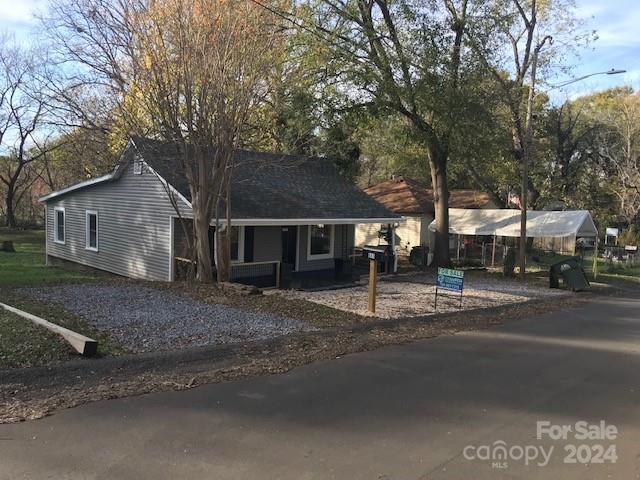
571,272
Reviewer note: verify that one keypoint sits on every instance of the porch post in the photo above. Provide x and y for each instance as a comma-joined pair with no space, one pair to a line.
373,272
392,229
493,251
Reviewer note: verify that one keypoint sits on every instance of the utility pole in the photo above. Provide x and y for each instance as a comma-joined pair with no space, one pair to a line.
527,146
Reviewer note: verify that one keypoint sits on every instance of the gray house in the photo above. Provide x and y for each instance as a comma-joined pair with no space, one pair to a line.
291,216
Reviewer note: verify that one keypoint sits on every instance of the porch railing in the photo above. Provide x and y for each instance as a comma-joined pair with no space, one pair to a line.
260,274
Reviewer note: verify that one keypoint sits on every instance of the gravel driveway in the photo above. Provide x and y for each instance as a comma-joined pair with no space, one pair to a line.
413,295
144,319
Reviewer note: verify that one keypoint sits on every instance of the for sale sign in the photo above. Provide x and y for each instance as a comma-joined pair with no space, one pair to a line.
449,279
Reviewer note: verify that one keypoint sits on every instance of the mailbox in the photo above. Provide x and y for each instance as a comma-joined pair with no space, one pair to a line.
377,253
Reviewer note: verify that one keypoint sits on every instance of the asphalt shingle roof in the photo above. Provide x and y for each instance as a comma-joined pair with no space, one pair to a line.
408,196
274,186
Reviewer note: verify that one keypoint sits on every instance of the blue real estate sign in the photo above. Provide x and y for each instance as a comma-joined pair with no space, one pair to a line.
449,279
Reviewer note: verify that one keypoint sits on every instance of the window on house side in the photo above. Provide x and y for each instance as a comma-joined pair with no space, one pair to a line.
237,244
91,240
59,227
320,242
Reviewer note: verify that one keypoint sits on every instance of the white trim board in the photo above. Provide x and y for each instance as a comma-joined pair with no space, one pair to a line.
77,186
86,230
321,256
265,222
55,225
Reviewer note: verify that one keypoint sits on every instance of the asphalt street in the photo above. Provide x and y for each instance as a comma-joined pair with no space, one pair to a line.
467,406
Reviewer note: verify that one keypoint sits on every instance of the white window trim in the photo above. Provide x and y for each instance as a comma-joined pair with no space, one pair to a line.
55,225
86,230
321,256
240,244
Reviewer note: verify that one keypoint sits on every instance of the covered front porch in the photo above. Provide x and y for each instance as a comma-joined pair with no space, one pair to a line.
280,254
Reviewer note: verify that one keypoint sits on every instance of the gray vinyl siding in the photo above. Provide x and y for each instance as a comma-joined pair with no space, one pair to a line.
133,226
267,246
342,248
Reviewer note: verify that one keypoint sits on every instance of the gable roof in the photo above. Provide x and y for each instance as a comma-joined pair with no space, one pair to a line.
264,185
405,195
402,195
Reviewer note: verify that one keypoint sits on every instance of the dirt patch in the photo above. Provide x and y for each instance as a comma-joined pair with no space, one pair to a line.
35,392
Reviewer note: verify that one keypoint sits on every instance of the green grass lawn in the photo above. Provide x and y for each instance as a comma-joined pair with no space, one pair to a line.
22,343
27,265
614,271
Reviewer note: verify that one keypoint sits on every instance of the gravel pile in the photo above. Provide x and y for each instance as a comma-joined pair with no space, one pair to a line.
413,295
144,319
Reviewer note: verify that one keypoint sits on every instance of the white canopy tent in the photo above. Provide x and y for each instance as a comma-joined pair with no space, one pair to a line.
506,223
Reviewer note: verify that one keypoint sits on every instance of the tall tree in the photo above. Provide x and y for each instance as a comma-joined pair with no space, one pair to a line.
529,28
407,58
188,71
617,146
23,128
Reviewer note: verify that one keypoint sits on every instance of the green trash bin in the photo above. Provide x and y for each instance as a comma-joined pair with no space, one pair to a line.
571,272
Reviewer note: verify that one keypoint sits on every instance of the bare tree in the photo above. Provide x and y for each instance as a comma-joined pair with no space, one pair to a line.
187,71
617,143
24,132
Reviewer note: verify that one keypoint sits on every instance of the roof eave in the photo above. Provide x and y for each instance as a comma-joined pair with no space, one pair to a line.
77,186
258,222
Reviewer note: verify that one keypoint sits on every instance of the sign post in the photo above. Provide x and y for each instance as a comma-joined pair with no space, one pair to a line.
373,273
449,280
374,254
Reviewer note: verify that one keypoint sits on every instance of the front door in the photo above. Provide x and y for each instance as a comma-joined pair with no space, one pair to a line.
289,241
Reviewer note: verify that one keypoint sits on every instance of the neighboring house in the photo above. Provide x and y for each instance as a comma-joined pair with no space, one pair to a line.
413,200
288,212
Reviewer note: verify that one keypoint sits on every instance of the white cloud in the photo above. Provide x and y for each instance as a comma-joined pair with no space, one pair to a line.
616,24
21,11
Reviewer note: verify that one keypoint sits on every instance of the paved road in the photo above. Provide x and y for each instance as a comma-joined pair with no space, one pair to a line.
404,412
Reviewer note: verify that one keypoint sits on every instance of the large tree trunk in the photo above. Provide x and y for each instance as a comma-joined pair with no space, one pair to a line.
10,220
441,257
223,267
201,219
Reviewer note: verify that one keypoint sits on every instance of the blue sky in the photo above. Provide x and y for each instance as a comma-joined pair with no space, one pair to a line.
617,23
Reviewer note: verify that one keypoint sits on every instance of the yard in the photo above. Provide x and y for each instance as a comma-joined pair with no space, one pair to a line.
131,317
125,316
161,336
413,295
23,344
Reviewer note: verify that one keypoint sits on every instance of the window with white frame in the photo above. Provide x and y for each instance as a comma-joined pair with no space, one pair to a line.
237,244
91,230
58,225
320,242
137,167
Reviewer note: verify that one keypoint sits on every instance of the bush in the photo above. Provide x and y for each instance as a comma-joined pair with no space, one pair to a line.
629,236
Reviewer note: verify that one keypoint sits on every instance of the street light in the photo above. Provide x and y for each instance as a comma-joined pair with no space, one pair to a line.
613,71
527,155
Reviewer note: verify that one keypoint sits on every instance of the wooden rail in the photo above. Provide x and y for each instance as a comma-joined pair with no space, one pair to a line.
83,345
